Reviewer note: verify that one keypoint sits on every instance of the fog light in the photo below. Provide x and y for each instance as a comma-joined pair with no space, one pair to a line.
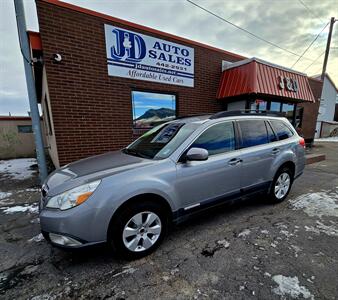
63,240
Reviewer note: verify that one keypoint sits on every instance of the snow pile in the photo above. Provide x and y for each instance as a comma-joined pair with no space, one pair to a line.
38,238
33,208
328,139
318,204
18,169
289,286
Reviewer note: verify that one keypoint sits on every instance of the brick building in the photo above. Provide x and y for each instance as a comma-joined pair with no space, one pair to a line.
96,81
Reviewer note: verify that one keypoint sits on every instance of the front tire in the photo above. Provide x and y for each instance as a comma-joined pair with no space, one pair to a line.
138,229
281,185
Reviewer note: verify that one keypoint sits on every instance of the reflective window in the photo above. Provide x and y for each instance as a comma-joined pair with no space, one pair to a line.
271,135
281,129
152,109
259,105
161,141
253,133
217,139
275,106
288,109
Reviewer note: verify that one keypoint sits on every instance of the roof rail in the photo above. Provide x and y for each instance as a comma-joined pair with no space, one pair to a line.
192,116
242,112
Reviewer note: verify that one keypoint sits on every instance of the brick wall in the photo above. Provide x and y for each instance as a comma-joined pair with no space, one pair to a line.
92,111
311,110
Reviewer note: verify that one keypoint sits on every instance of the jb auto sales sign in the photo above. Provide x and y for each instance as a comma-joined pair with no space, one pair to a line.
137,56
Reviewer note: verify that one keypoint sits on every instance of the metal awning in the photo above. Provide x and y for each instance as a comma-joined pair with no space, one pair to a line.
256,78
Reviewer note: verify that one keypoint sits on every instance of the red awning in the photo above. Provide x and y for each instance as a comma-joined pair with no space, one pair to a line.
254,77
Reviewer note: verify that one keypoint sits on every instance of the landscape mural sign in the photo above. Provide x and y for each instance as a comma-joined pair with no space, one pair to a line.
151,109
138,56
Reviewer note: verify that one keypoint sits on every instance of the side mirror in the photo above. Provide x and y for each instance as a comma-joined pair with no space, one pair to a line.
197,154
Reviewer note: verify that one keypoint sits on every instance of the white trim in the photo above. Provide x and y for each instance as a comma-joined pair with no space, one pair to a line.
249,60
192,206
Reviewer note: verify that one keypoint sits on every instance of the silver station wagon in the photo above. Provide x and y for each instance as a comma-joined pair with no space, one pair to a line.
128,198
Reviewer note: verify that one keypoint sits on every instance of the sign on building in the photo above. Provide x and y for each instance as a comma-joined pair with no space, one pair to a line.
138,56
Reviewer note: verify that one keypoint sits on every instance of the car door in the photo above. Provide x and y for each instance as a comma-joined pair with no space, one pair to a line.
200,183
256,153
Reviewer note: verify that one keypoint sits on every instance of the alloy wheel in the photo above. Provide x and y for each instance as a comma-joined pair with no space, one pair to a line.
282,185
142,231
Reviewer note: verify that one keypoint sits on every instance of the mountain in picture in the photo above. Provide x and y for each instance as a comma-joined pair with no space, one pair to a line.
153,117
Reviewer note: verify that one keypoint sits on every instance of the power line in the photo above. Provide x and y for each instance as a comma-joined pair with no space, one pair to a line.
310,11
314,61
299,58
244,30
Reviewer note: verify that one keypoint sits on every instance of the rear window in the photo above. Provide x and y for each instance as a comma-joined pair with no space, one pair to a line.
282,131
253,133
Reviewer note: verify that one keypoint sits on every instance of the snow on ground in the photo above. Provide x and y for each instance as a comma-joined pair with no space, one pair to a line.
330,230
319,204
18,169
33,208
4,195
289,286
328,139
38,238
244,233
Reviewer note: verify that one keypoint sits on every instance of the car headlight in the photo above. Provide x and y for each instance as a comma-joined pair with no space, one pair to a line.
73,197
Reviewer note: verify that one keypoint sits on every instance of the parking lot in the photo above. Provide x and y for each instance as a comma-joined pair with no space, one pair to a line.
246,250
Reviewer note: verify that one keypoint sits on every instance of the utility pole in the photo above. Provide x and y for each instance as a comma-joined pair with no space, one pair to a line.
34,111
327,51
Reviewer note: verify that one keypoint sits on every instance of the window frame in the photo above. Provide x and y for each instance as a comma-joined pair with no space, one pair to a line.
143,90
237,142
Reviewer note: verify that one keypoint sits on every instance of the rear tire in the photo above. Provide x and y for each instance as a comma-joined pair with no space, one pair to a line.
138,229
281,185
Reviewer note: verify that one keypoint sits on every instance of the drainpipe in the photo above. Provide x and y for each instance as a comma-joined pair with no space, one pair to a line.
34,111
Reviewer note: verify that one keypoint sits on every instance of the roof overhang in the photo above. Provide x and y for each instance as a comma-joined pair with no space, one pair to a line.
257,78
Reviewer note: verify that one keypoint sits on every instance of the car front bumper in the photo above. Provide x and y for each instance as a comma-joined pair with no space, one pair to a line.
73,228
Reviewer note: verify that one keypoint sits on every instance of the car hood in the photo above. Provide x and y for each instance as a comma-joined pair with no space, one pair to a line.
92,168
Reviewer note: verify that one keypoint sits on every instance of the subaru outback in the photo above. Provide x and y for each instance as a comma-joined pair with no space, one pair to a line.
128,198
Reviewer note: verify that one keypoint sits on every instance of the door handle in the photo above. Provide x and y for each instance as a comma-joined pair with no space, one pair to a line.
234,161
275,151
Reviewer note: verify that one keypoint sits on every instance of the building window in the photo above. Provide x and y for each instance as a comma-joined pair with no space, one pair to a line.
288,110
259,105
25,129
151,109
275,106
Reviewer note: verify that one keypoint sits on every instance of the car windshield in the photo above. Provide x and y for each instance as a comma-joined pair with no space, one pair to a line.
161,141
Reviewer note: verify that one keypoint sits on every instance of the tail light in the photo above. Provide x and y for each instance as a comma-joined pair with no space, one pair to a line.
302,142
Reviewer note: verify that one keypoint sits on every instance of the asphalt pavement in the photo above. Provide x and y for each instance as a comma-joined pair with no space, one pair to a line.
246,250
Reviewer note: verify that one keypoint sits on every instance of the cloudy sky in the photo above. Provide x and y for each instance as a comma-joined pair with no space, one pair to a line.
292,24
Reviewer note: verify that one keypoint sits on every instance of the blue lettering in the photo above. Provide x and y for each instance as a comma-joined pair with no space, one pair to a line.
129,46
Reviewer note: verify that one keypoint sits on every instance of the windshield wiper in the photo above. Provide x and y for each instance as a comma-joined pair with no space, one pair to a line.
135,153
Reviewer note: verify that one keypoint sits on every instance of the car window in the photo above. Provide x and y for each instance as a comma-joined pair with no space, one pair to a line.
253,133
282,130
271,135
217,139
161,141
